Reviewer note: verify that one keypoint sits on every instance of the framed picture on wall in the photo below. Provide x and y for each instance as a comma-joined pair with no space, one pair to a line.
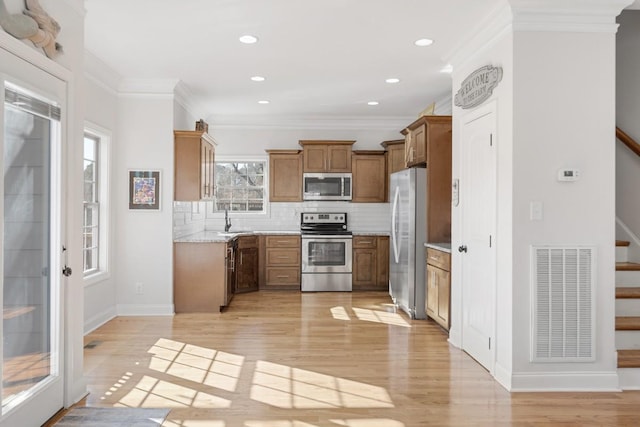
144,190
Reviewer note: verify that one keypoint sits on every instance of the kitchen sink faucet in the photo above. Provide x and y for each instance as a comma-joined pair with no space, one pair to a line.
227,221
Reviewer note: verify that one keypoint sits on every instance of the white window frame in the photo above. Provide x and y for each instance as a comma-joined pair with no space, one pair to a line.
246,159
104,164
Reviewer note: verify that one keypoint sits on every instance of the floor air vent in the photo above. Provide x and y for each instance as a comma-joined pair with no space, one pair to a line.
563,306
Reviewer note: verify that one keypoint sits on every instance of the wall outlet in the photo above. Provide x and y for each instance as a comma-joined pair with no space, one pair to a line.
138,288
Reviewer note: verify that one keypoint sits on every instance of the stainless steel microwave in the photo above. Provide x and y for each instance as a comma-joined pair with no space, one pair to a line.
326,186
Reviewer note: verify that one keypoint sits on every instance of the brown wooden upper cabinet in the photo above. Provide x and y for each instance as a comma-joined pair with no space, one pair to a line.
427,131
395,160
326,156
395,155
369,176
194,161
285,175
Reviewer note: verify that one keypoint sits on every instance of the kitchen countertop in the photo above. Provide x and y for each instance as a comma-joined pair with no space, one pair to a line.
444,247
371,233
210,236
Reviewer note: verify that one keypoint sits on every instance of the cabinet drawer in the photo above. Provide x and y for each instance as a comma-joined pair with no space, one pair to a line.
439,259
247,242
277,256
282,241
283,276
364,242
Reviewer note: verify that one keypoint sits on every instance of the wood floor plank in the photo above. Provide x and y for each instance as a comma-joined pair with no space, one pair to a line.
316,360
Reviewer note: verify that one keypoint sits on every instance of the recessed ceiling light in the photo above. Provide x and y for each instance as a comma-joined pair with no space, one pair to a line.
264,101
423,42
447,69
392,80
373,103
248,39
257,78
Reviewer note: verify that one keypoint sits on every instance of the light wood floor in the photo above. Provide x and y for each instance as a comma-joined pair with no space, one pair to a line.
285,359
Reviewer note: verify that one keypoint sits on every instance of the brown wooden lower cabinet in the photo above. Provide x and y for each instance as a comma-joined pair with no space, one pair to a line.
280,256
438,278
370,263
246,264
200,278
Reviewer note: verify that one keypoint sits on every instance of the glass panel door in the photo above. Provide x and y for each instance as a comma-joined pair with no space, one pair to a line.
27,350
30,210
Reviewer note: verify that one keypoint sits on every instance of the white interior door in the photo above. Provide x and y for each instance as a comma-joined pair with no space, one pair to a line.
31,244
478,202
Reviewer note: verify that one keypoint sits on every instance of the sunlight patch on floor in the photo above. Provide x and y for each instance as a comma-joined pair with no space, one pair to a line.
151,392
278,423
340,313
285,387
198,364
193,423
369,422
367,315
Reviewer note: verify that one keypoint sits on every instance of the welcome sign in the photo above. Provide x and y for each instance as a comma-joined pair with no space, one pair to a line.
479,86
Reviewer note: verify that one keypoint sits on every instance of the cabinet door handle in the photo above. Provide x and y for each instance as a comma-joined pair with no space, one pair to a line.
282,277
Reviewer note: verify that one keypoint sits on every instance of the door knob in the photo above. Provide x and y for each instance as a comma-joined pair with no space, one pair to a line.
462,248
66,271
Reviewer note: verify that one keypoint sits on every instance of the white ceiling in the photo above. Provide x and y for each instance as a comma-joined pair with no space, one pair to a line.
320,58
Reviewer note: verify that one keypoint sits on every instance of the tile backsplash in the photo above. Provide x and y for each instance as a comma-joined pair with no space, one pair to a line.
194,217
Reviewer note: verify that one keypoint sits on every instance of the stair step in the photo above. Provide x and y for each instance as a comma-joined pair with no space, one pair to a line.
627,266
628,292
628,358
622,243
627,323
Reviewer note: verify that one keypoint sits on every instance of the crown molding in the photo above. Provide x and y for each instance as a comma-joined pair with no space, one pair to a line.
100,73
395,123
129,86
184,96
494,26
584,16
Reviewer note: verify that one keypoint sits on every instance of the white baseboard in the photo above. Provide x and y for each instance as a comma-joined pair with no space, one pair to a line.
145,309
99,319
629,378
565,381
76,392
502,376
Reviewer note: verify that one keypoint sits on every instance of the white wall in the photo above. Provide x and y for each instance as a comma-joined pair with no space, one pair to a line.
143,252
248,141
627,113
101,103
564,107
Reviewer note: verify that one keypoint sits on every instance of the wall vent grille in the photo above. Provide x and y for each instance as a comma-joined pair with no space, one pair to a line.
563,305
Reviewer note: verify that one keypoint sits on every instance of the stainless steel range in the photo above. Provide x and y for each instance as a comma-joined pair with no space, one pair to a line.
326,252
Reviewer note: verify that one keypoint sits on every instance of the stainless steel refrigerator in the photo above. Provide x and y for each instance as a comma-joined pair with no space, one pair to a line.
407,253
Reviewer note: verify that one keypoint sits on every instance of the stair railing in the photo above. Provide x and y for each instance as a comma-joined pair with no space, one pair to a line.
628,141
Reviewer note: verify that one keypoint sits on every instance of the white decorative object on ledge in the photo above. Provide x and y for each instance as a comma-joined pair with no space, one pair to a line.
49,28
35,25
